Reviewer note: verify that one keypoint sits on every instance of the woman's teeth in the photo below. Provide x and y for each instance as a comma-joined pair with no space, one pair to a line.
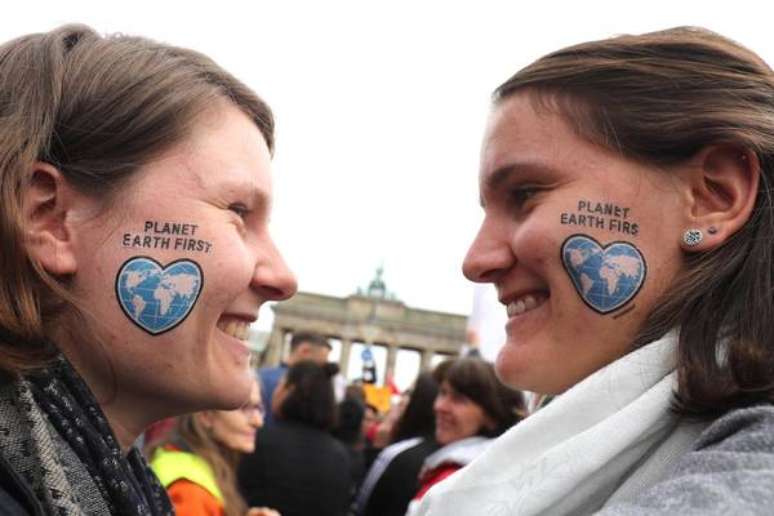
525,304
237,329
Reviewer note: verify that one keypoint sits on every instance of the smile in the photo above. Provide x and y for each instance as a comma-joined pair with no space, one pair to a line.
235,328
525,303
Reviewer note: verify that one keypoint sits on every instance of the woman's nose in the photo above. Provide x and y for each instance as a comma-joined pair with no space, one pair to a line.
440,403
256,420
272,278
489,255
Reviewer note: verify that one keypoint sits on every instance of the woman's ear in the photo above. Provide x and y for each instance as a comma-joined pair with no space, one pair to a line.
722,186
45,207
489,422
204,419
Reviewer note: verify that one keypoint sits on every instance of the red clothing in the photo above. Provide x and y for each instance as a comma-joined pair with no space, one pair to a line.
191,499
432,477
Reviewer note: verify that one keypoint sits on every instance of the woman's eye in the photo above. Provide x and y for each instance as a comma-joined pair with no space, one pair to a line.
240,209
521,195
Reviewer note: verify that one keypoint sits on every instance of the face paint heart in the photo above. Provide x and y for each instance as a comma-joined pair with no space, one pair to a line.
157,298
605,277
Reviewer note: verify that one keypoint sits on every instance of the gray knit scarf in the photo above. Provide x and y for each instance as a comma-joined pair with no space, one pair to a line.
54,434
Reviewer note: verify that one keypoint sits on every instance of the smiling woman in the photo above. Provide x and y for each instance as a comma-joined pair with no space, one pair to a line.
197,465
628,228
471,408
135,253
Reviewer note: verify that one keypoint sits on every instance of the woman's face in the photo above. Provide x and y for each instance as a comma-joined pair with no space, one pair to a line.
236,429
579,242
176,271
456,416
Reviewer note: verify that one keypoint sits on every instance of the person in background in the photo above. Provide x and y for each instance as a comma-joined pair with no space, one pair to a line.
629,230
381,431
471,409
393,480
135,194
197,464
348,431
303,346
298,467
371,422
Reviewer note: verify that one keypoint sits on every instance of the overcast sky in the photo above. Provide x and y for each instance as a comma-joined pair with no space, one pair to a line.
380,109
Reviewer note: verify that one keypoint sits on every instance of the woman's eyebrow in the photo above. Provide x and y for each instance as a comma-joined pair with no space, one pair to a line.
258,196
502,174
505,173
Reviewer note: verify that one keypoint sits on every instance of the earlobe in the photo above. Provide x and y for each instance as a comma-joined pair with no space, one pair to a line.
723,187
205,419
45,205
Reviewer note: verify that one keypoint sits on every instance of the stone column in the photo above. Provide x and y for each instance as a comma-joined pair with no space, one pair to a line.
427,356
274,353
346,347
392,353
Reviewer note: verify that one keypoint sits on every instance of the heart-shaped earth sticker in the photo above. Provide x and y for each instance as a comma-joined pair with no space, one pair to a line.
158,298
605,277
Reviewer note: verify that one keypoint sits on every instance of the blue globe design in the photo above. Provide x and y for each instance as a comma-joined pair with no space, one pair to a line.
606,278
158,298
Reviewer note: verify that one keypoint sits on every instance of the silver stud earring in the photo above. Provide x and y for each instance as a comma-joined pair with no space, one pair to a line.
693,237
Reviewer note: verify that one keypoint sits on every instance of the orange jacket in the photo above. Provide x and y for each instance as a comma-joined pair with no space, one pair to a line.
191,499
189,481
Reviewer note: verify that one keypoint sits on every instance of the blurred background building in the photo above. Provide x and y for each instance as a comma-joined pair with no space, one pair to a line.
369,325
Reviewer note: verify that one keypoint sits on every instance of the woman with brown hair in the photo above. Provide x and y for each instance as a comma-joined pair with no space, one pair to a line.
298,467
629,230
135,191
392,480
472,408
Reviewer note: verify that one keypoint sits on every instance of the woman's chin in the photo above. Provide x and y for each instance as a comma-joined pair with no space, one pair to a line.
510,365
231,395
518,367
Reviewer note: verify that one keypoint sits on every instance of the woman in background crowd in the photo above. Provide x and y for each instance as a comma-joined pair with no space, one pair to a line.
349,432
393,478
135,186
298,467
197,465
629,229
471,409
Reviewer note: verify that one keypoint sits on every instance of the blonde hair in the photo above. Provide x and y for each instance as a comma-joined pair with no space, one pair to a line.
97,108
222,460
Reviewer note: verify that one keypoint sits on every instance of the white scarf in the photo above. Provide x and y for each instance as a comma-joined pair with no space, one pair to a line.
569,457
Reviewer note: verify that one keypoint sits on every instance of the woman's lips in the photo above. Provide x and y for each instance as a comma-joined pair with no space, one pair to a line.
525,303
233,327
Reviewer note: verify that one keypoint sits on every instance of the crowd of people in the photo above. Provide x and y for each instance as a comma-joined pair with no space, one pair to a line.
628,229
301,451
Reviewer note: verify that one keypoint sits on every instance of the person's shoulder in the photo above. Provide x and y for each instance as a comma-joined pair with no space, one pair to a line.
192,499
16,499
729,470
10,505
746,430
272,370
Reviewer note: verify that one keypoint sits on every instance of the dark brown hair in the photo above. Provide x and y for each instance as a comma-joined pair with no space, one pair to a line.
659,98
310,400
98,109
307,337
418,418
476,379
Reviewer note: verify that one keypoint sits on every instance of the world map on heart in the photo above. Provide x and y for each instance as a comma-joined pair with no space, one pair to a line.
606,277
158,298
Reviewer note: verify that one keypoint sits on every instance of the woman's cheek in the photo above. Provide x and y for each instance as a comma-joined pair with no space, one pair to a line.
160,282
601,255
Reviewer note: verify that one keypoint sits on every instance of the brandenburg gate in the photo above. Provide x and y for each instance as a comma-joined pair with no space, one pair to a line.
370,317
